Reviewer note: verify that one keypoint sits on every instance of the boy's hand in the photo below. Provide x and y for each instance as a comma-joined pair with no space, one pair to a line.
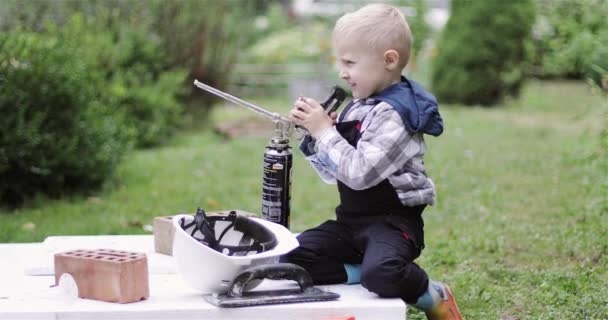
311,115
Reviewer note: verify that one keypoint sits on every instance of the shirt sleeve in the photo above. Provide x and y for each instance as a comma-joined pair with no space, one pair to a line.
384,147
308,148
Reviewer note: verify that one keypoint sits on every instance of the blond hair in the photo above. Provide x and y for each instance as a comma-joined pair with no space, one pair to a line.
382,27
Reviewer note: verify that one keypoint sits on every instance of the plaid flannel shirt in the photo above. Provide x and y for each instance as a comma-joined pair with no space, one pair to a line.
386,150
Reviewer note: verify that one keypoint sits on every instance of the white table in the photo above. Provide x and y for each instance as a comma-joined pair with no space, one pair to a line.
25,296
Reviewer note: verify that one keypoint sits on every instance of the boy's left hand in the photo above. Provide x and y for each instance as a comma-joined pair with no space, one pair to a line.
311,115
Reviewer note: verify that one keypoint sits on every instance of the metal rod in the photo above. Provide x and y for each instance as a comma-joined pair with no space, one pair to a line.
275,117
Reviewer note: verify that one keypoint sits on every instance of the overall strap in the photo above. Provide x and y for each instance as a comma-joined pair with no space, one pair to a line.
346,110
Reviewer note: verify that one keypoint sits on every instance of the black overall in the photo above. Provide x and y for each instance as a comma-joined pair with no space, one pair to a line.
373,229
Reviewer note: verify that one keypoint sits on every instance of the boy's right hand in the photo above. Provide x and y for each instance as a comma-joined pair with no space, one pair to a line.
311,115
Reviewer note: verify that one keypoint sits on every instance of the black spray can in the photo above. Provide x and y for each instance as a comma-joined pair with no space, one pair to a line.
276,186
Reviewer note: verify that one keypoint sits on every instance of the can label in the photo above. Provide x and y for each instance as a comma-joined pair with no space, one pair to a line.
276,187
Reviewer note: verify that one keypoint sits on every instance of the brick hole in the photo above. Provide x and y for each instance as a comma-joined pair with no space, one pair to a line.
114,255
88,256
121,260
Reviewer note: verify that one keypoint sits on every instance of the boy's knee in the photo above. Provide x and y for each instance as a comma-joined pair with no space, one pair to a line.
392,278
384,278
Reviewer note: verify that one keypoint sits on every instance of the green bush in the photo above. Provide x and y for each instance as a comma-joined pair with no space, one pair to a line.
135,66
151,107
569,35
117,39
58,130
597,70
144,88
482,51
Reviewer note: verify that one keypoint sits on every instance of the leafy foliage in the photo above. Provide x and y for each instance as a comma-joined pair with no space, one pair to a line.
115,39
204,38
152,107
128,61
571,36
138,58
481,65
135,68
597,71
59,131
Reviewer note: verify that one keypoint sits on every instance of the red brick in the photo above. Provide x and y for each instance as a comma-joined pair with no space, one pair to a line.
106,274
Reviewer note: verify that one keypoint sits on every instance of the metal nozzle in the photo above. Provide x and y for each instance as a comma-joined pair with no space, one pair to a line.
275,117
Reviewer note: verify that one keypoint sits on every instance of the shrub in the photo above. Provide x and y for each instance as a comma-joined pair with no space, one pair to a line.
597,70
135,66
144,88
151,107
115,38
58,131
569,35
482,51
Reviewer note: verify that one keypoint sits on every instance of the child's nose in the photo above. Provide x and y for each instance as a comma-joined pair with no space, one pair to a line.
343,75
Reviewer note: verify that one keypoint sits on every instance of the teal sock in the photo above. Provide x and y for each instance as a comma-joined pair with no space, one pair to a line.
434,293
353,273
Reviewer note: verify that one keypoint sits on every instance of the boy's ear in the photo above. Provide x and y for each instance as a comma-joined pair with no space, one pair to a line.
391,60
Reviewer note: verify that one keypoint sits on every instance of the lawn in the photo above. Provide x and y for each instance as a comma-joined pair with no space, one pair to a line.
520,229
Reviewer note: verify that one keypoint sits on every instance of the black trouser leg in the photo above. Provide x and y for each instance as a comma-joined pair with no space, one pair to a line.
324,250
388,269
390,245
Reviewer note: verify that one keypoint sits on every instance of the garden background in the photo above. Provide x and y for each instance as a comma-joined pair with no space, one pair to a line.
102,130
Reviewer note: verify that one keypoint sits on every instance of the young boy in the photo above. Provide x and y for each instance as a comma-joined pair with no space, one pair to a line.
374,152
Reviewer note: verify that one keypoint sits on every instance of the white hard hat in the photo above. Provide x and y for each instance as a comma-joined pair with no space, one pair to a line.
210,251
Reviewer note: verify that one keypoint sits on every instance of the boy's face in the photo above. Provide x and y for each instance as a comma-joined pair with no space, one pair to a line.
362,68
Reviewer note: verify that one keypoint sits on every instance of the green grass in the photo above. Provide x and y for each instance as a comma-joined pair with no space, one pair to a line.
519,230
